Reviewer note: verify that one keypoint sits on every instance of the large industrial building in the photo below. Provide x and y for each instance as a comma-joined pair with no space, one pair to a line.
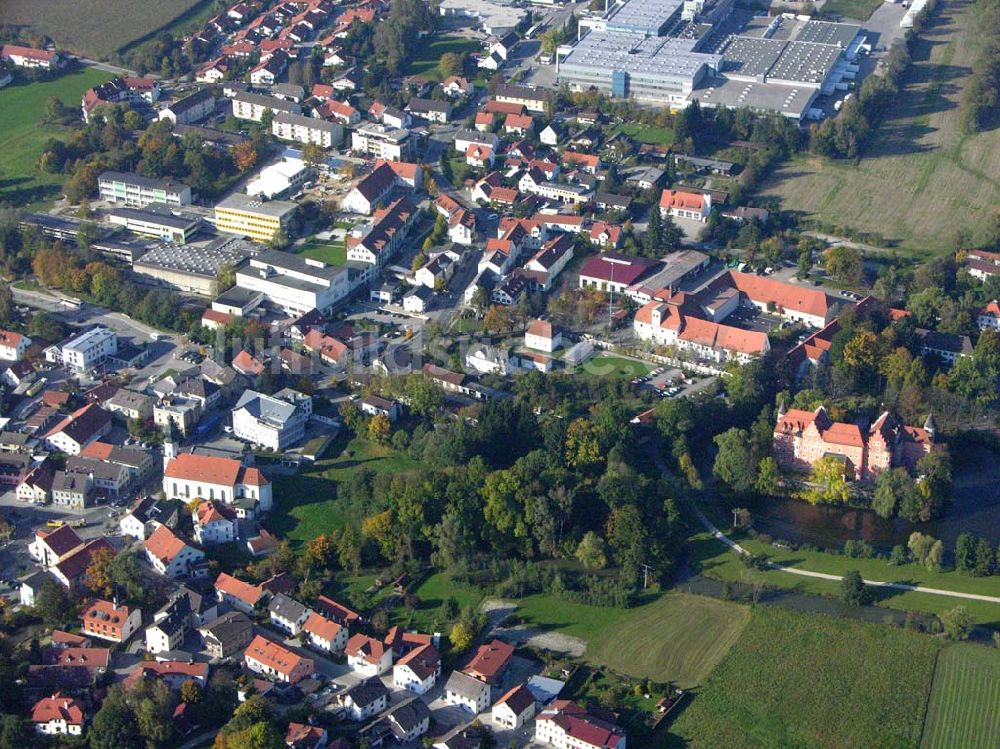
253,217
673,52
193,268
295,284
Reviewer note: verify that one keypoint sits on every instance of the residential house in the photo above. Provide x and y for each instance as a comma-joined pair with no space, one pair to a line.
515,708
417,300
418,670
430,110
30,57
338,612
486,359
409,721
565,725
368,656
467,692
237,594
550,134
684,204
542,335
288,614
947,347
214,523
72,490
170,556
270,659
456,86
533,99
70,571
324,634
51,547
170,626
140,522
173,673
78,429
490,662
13,345
373,405
304,736
479,155
58,715
226,635
371,191
110,621
365,699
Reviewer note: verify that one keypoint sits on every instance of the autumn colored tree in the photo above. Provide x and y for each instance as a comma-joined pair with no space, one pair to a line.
499,320
583,447
97,578
245,156
379,428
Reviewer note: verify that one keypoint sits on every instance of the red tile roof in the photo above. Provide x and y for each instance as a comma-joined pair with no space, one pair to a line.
164,544
622,269
212,470
517,699
788,296
246,592
59,708
368,648
490,660
323,628
273,655
689,201
32,53
423,661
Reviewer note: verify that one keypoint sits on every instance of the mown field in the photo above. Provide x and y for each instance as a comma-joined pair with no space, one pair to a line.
798,680
326,251
306,505
94,28
679,638
22,136
964,708
921,179
655,136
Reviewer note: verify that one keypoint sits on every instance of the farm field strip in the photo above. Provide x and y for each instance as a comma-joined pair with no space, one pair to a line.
964,706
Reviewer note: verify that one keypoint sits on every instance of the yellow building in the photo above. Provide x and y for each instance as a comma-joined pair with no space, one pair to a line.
253,217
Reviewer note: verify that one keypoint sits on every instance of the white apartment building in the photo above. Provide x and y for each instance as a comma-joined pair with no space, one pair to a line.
247,106
269,421
84,351
382,142
297,127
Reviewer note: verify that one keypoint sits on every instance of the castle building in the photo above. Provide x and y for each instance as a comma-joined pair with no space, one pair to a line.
803,437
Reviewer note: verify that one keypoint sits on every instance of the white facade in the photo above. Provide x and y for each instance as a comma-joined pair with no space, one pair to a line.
84,351
489,360
475,698
268,421
178,565
216,531
13,346
296,285
505,717
159,640
382,142
283,178
403,677
296,127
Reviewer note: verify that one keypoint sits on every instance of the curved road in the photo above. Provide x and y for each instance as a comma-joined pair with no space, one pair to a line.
710,527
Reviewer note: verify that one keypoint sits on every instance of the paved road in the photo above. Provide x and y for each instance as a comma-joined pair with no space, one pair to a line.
108,67
835,240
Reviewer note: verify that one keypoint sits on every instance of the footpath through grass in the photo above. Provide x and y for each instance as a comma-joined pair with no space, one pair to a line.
964,708
714,559
23,136
306,504
804,680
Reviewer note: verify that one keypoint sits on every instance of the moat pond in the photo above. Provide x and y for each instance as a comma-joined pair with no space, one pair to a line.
975,508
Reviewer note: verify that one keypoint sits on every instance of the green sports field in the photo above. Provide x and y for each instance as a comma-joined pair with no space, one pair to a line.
23,136
964,708
805,680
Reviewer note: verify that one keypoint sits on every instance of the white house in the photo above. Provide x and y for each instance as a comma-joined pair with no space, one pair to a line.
288,614
467,692
79,429
565,725
214,523
269,421
58,716
365,699
368,656
682,204
324,634
409,721
13,345
542,335
489,360
169,555
418,670
270,659
170,626
515,708
373,405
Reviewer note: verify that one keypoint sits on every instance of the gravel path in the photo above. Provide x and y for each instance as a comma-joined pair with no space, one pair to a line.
497,611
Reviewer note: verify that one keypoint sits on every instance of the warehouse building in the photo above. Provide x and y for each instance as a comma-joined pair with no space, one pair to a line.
296,284
193,268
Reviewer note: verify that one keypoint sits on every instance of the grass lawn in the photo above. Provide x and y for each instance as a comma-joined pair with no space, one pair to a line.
330,252
857,10
306,504
678,638
656,136
433,592
22,137
964,709
425,62
804,680
608,364
97,27
921,178
715,560
574,619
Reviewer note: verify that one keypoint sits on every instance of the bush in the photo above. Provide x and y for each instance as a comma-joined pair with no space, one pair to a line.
853,589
